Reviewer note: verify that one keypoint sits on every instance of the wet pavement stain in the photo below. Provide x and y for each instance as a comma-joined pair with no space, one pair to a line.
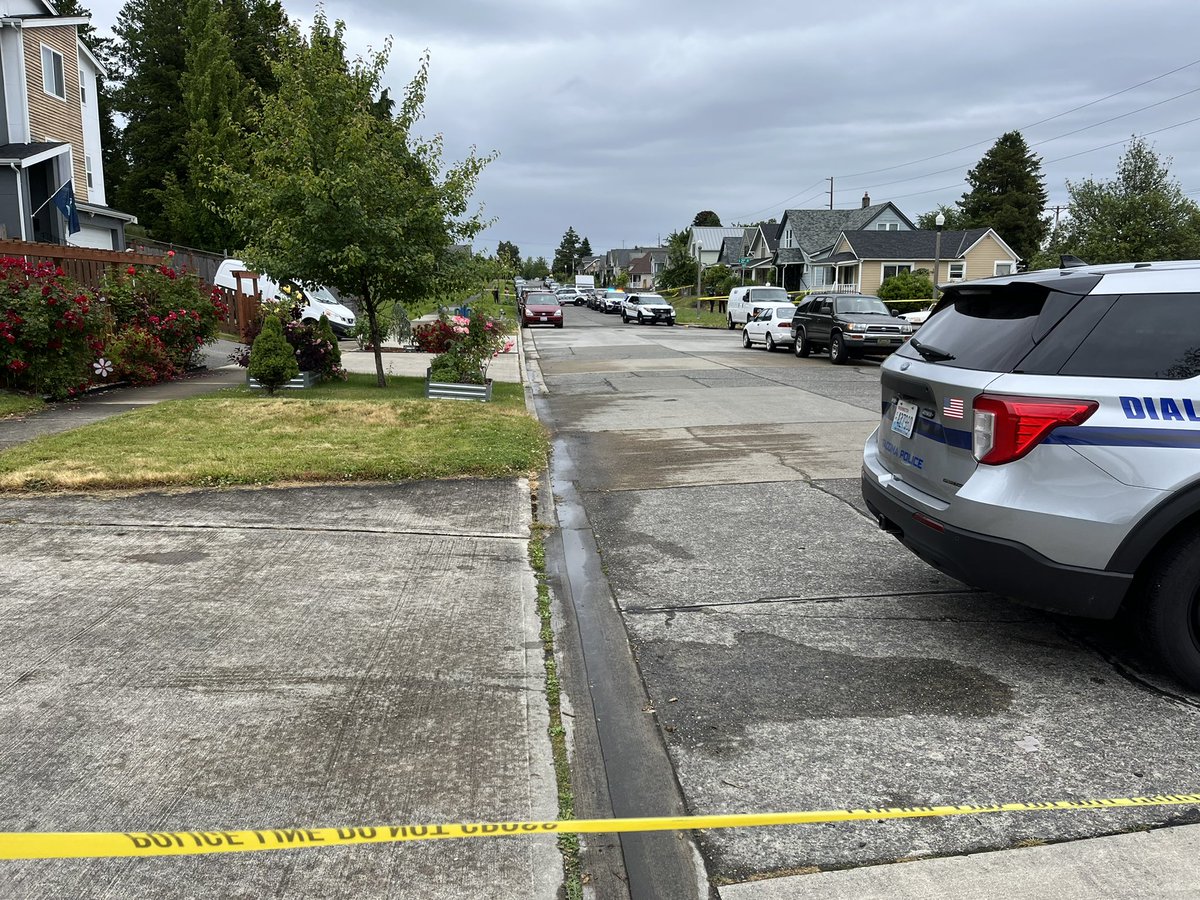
764,677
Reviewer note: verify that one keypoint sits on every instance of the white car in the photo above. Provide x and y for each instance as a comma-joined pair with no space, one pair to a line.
771,326
647,309
918,317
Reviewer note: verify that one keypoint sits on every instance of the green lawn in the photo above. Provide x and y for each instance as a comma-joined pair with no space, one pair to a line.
18,404
689,315
337,432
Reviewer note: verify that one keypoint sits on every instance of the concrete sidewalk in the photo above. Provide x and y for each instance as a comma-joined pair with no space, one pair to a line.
291,658
1164,863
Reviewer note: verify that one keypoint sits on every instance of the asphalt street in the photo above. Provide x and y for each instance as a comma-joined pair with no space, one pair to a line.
794,656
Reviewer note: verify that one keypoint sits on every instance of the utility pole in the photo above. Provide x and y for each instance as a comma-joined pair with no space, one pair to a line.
830,180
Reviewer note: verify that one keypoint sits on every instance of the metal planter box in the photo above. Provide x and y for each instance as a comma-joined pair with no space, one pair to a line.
303,380
445,390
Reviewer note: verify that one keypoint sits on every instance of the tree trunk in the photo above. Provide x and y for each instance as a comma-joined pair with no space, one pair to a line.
376,338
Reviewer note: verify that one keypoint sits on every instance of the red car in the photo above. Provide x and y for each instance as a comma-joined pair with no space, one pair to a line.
541,309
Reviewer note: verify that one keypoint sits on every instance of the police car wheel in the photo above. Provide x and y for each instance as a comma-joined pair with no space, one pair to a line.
1172,610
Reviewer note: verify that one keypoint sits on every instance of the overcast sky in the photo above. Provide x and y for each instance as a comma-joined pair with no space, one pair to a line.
623,119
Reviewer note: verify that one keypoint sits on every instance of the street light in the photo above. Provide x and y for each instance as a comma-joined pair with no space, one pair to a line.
698,268
937,251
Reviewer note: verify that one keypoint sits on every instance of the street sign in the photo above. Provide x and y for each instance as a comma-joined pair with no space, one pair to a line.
746,260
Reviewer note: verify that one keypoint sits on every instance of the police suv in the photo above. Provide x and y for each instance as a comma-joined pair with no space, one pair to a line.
1040,438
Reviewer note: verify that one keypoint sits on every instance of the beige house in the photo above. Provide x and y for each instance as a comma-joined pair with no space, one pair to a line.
860,260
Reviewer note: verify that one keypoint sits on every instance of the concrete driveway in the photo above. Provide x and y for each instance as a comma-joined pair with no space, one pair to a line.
281,658
794,656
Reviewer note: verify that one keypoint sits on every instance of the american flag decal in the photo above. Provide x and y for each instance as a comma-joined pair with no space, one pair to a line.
952,408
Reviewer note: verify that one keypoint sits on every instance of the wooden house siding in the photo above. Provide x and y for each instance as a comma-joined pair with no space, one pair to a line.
982,258
52,119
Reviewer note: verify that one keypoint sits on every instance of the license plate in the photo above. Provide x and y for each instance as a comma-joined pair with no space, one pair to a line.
543,318
905,418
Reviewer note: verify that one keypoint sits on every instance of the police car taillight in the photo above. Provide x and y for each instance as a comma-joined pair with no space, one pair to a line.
1007,428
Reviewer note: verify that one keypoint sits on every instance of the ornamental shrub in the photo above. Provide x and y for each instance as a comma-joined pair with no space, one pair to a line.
166,303
327,335
907,286
272,359
140,357
51,332
314,351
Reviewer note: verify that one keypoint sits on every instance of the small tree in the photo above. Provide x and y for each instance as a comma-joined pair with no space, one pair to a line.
272,359
906,286
706,217
954,218
680,269
335,352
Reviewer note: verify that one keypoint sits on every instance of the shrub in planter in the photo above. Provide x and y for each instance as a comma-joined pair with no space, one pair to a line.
140,357
468,350
50,330
314,352
272,359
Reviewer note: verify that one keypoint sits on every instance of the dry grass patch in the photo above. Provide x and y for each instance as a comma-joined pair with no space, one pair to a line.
244,439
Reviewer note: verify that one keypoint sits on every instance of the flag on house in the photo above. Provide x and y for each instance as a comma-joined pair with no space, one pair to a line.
64,199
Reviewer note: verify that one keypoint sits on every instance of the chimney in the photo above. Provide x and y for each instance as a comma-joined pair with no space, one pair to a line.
866,199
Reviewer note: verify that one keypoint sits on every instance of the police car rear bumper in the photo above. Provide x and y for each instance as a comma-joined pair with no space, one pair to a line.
997,565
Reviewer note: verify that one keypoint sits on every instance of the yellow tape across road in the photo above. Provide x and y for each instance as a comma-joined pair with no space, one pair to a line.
62,845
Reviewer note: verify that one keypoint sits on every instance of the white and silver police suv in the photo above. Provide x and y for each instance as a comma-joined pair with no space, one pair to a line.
1040,439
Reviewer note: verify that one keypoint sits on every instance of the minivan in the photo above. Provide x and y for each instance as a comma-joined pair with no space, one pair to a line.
744,302
320,300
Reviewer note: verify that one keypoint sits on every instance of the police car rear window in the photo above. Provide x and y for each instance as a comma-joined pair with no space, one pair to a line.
983,329
1142,336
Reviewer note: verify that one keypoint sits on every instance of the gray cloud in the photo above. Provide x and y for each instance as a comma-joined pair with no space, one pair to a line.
623,119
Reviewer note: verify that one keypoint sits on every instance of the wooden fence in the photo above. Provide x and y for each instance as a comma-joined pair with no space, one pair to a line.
82,264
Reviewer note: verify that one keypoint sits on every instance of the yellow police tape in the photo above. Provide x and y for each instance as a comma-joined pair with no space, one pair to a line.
63,845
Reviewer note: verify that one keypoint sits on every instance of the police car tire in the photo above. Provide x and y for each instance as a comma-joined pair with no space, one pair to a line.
1172,608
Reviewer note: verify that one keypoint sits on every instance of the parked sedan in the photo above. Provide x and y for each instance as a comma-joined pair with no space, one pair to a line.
541,309
647,309
771,326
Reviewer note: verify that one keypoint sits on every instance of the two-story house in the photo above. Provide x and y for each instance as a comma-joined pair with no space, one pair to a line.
808,234
50,130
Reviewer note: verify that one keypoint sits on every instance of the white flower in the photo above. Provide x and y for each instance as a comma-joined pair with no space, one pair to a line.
103,367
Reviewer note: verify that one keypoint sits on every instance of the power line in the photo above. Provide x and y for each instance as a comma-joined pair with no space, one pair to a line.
781,202
1031,125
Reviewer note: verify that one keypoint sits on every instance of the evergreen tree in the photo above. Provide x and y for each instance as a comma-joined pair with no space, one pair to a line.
567,253
257,30
214,98
585,248
272,359
707,217
1008,194
1141,215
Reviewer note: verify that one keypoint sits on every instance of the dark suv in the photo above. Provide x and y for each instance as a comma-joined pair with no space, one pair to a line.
848,325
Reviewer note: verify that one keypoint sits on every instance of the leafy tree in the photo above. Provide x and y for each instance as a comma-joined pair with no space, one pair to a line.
622,279
719,280
707,217
535,268
1140,215
954,218
907,286
272,359
320,154
585,248
510,251
680,269
567,253
215,99
1008,194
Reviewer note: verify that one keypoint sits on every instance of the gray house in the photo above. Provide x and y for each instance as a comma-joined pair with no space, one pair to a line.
806,235
50,131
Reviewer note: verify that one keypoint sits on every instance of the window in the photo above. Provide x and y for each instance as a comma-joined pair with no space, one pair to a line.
887,226
54,79
82,89
87,165
1141,336
1004,268
958,271
890,270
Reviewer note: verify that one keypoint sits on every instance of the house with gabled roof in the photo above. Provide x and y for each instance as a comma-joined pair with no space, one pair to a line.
808,234
617,261
50,131
644,269
710,238
859,261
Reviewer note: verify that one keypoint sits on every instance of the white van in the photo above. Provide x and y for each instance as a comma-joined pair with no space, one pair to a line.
320,300
744,302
